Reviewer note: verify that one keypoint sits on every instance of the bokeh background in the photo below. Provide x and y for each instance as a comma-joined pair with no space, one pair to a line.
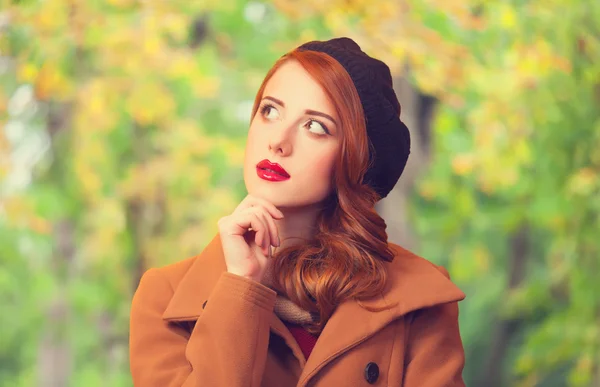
123,131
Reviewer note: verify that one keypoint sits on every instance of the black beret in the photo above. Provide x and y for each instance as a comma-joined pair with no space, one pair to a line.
389,136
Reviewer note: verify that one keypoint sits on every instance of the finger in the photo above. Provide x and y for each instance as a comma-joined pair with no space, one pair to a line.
270,228
258,239
270,222
245,224
270,207
252,201
262,235
244,204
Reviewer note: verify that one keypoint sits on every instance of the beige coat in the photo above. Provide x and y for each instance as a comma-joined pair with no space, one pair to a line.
194,324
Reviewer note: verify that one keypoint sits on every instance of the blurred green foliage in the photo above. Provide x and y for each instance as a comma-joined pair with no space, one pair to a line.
123,132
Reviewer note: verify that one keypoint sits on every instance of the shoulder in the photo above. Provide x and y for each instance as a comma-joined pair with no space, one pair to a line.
158,284
181,288
170,274
415,283
404,258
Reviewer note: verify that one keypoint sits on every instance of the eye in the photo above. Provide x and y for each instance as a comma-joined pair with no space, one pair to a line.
318,126
269,112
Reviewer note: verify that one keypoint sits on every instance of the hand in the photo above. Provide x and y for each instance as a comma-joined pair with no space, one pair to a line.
247,236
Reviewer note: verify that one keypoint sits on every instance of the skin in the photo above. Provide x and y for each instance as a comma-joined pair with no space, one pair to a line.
285,133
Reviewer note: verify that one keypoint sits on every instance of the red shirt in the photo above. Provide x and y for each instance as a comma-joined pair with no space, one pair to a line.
305,340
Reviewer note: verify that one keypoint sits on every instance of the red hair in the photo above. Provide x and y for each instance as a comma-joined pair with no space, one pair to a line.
346,257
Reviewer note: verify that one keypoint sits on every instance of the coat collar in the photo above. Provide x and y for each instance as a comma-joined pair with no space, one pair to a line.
413,283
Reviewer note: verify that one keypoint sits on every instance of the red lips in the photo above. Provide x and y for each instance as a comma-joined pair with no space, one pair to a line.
265,166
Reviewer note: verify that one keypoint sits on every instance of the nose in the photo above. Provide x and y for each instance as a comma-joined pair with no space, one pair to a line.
280,141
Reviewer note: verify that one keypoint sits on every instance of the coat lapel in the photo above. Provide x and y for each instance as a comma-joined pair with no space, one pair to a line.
197,284
413,283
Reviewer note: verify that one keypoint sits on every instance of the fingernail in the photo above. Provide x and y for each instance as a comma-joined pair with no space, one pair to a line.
280,213
278,241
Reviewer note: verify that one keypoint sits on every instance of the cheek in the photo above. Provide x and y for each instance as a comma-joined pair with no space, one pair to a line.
322,165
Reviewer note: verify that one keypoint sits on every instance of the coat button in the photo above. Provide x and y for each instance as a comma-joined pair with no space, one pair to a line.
371,372
203,305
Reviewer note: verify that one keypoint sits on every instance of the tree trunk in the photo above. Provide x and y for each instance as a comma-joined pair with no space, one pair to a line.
417,114
55,354
504,331
54,351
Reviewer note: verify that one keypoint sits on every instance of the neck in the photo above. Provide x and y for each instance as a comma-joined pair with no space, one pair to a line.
298,225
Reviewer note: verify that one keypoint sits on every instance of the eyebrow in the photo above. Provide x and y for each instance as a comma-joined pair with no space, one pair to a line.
307,111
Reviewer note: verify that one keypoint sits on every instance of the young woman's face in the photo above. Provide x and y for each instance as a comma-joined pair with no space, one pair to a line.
295,127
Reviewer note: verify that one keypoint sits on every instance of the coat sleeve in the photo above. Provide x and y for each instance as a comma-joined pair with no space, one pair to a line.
435,354
227,346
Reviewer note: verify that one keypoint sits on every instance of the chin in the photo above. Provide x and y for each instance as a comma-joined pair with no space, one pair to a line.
270,193
282,195
263,189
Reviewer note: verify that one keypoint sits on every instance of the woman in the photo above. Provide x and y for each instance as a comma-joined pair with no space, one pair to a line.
300,286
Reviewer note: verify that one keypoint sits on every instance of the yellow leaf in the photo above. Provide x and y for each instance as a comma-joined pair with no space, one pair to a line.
484,184
482,259
581,375
87,177
508,17
4,168
308,35
176,25
562,64
27,72
427,190
50,15
398,49
152,45
150,103
40,225
583,182
97,110
17,210
51,83
181,66
206,87
522,152
463,164
335,19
